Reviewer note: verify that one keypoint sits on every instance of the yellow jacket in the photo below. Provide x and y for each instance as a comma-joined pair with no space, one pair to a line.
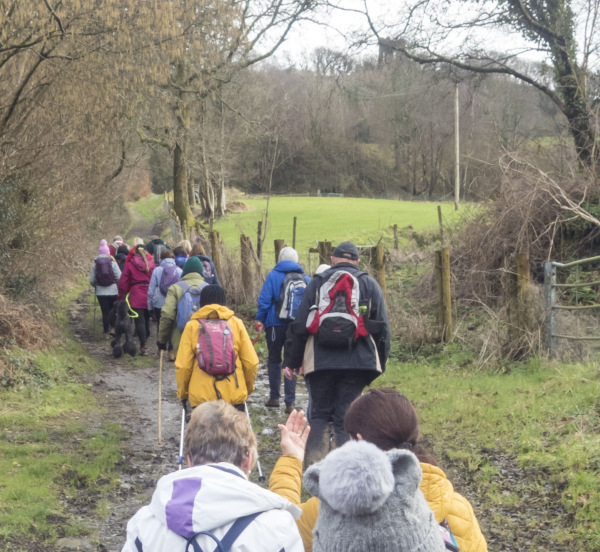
286,481
198,386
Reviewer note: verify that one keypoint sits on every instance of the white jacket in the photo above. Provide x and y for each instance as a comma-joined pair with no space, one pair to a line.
211,498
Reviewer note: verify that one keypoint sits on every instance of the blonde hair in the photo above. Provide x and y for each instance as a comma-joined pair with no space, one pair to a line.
137,241
187,246
218,432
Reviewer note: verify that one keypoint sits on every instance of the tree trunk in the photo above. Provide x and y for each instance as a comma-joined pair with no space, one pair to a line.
221,203
208,192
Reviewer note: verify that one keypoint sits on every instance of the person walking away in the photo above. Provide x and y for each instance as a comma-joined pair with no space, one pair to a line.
213,501
388,420
278,303
180,256
104,275
121,256
186,245
155,247
210,272
181,301
164,275
338,364
117,241
216,358
133,287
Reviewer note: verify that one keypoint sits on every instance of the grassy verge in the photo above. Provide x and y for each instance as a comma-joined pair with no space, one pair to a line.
543,417
47,457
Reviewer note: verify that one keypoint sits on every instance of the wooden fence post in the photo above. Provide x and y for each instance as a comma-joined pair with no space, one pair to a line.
396,237
279,245
378,262
447,332
246,257
440,288
519,306
259,240
294,233
324,252
215,250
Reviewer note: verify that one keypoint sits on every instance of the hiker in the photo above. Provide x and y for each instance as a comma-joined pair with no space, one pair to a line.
164,275
177,309
210,272
133,287
180,256
388,420
155,247
116,243
338,364
235,381
121,255
278,304
186,245
212,501
104,275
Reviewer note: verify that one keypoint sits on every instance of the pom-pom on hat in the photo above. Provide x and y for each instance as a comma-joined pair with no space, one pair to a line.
212,295
103,249
346,250
193,264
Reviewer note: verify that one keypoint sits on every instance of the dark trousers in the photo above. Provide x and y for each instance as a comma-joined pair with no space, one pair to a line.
142,325
330,393
106,303
275,336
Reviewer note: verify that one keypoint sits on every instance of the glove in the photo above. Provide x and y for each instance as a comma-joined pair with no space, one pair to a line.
259,326
161,346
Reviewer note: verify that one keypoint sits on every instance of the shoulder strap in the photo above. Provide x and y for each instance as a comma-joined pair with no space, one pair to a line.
225,544
183,285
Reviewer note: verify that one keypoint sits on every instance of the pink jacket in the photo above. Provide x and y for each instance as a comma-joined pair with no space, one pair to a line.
135,280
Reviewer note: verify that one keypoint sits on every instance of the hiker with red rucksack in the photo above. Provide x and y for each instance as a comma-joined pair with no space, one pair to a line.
165,275
216,358
104,275
182,300
133,288
341,338
278,304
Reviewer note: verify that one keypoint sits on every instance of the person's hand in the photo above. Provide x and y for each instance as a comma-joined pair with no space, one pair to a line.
161,346
259,326
294,434
290,373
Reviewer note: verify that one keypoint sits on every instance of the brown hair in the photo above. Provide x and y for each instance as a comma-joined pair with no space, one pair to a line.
387,419
197,249
218,432
166,254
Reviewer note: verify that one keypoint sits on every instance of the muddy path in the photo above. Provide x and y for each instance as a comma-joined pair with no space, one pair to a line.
126,391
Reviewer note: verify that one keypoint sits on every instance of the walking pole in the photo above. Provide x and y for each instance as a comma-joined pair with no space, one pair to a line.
255,340
181,439
261,477
160,364
95,303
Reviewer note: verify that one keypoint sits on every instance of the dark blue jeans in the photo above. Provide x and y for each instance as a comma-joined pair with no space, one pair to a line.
275,336
330,393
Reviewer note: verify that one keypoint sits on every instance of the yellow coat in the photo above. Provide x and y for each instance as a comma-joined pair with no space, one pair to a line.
198,386
286,481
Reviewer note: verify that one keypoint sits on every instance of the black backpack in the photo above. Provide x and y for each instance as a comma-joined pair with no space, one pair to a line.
104,272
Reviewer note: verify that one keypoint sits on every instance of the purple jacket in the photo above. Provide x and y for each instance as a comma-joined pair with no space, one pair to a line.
135,280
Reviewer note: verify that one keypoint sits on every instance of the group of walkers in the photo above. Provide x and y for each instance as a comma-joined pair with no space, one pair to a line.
373,485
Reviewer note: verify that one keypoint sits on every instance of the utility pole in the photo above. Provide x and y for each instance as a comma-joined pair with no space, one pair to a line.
456,152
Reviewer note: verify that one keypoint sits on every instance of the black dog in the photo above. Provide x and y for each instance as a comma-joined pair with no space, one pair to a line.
120,321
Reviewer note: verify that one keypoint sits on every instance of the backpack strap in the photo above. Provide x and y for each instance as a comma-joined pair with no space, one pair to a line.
224,545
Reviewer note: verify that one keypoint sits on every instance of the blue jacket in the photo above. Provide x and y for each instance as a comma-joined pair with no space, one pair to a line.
269,294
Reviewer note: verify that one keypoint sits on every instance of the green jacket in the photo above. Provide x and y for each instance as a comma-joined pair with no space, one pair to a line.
168,314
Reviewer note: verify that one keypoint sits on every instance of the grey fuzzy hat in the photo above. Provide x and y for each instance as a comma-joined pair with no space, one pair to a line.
371,502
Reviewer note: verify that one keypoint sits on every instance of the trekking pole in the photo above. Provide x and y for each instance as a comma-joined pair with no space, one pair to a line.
160,366
255,340
181,439
95,303
261,477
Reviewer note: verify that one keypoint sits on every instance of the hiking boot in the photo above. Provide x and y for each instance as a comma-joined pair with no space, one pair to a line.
143,351
272,403
289,407
171,356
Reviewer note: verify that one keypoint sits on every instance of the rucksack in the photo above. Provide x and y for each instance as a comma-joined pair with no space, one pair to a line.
290,296
104,272
188,304
335,318
158,249
448,536
170,275
215,350
225,544
207,269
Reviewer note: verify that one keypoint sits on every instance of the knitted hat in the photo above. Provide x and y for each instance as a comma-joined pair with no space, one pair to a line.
193,264
288,254
371,501
346,250
212,295
103,249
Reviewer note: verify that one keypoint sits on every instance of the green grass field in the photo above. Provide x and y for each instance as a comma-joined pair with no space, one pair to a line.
363,221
